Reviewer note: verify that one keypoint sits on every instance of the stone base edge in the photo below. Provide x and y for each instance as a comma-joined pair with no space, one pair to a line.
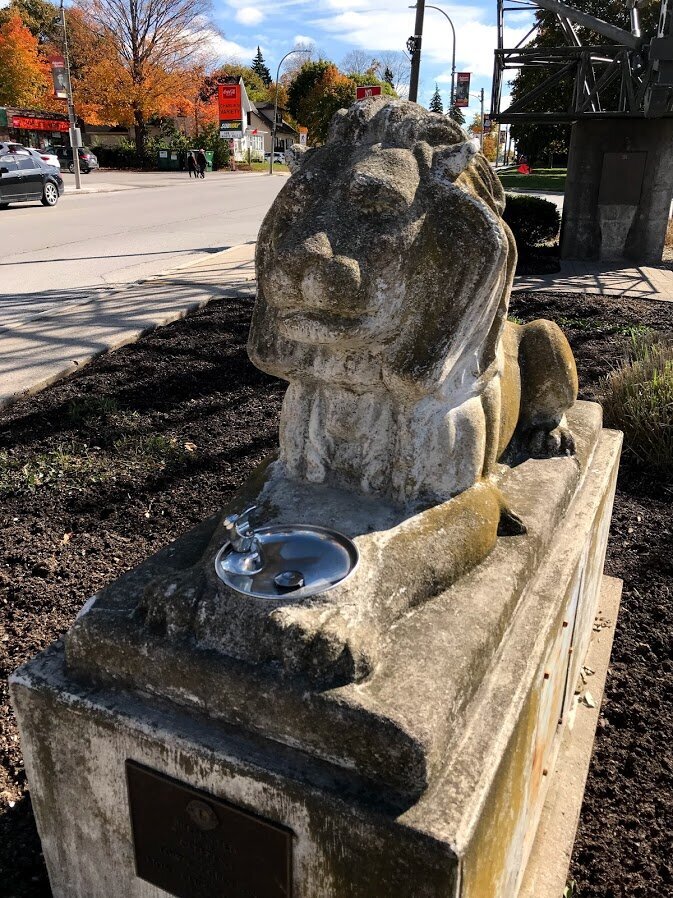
547,870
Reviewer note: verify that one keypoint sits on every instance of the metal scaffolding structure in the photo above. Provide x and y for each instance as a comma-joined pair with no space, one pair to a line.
640,66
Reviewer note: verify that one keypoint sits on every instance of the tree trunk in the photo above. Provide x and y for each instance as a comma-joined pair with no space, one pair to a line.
141,134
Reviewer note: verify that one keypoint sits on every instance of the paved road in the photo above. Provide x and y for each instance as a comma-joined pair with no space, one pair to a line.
92,243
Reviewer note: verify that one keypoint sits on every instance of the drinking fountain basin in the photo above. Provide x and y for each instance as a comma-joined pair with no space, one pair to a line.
296,561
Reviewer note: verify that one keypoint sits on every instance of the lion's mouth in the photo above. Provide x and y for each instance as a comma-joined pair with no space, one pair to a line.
323,327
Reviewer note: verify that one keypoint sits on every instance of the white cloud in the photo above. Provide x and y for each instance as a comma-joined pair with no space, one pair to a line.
230,50
302,39
249,15
381,28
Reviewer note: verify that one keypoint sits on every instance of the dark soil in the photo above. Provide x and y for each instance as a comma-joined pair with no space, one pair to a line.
101,470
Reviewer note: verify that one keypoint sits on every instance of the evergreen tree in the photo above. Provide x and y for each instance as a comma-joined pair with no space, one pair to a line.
259,67
436,104
457,115
388,76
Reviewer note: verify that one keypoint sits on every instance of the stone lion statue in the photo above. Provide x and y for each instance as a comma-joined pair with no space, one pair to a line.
384,272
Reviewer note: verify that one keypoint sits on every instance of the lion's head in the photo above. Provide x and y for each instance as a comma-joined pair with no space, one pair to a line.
386,248
383,271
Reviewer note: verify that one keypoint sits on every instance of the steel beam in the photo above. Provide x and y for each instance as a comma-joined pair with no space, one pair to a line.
618,35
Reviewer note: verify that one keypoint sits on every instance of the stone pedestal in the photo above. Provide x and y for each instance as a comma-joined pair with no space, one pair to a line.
618,190
424,777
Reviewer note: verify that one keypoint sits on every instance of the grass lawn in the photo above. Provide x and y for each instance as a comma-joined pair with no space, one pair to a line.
540,179
264,166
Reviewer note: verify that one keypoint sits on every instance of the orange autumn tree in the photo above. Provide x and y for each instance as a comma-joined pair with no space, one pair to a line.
152,44
193,100
24,78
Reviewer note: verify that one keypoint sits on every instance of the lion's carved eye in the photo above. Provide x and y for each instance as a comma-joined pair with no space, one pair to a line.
372,193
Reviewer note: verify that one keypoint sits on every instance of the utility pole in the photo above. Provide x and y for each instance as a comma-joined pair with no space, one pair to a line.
74,142
414,48
481,97
481,130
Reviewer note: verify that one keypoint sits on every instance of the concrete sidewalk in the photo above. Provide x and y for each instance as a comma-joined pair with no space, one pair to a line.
43,349
605,279
99,187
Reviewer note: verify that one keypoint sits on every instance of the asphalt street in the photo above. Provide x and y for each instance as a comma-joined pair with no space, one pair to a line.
137,226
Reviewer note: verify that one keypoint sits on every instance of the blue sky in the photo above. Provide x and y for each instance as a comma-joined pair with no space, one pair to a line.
336,27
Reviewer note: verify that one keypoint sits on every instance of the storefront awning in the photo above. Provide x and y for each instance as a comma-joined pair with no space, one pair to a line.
28,123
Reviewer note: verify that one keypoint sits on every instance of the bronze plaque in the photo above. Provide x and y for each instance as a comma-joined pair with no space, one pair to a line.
194,845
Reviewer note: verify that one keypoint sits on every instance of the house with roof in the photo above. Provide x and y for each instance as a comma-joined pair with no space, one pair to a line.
261,121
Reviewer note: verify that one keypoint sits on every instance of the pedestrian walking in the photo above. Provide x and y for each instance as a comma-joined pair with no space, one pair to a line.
191,164
201,162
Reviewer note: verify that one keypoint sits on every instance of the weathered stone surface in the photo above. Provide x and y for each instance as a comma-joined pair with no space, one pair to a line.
384,272
395,724
477,708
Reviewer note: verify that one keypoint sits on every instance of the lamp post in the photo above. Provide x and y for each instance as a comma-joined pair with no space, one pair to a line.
275,108
453,55
71,106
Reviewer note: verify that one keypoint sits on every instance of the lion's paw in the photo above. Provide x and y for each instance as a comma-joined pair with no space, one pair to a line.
551,443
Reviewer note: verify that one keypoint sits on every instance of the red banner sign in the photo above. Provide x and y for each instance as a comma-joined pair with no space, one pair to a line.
58,75
462,97
38,124
229,102
367,90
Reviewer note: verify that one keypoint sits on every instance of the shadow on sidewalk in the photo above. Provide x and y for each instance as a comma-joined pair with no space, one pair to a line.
53,344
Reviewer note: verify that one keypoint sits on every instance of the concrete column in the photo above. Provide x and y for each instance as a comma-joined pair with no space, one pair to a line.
618,190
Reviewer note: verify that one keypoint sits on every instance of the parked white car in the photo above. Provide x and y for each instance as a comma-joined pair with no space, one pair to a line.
48,158
43,155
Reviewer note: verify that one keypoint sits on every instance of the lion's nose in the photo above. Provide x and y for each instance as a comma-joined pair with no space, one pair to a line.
333,284
317,244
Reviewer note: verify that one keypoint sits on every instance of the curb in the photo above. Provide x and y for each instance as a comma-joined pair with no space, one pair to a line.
70,367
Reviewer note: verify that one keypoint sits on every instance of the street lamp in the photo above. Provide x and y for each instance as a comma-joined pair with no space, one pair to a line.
453,55
275,108
74,142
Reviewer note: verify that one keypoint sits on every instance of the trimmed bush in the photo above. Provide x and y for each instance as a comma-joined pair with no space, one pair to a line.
122,156
533,220
637,398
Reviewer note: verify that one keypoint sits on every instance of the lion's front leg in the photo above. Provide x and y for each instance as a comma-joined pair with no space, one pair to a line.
548,378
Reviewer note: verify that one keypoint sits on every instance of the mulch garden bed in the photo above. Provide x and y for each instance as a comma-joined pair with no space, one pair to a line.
101,470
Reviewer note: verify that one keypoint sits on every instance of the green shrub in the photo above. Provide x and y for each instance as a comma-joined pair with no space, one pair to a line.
121,156
124,155
533,220
637,398
210,139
